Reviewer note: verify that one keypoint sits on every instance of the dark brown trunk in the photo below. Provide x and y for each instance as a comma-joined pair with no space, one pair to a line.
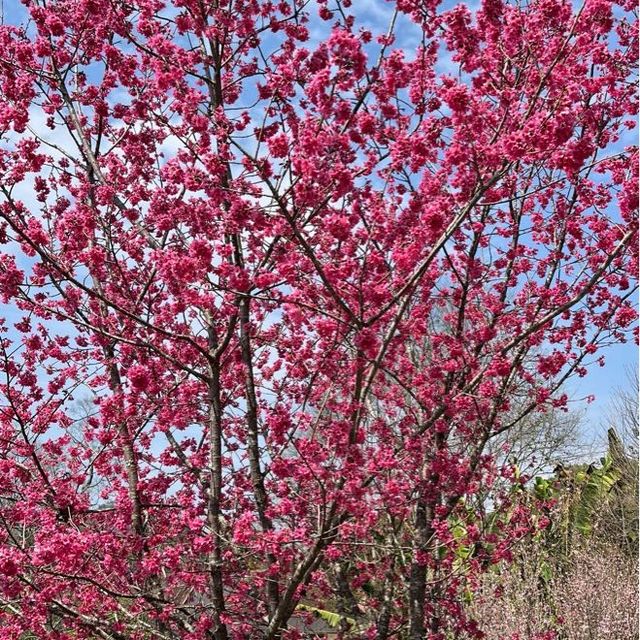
215,488
253,434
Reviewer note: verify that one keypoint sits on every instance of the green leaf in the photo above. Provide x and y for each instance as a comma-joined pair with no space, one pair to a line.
546,572
596,487
331,618
542,488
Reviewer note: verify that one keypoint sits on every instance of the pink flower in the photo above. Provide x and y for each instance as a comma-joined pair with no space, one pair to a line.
139,376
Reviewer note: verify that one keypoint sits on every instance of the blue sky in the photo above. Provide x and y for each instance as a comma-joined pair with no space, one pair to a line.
603,382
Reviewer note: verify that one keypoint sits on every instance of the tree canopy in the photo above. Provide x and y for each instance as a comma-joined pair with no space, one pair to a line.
301,268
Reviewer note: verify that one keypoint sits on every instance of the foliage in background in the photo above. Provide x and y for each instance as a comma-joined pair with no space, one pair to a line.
577,579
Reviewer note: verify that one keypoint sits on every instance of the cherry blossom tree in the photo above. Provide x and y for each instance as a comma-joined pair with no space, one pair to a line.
295,264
